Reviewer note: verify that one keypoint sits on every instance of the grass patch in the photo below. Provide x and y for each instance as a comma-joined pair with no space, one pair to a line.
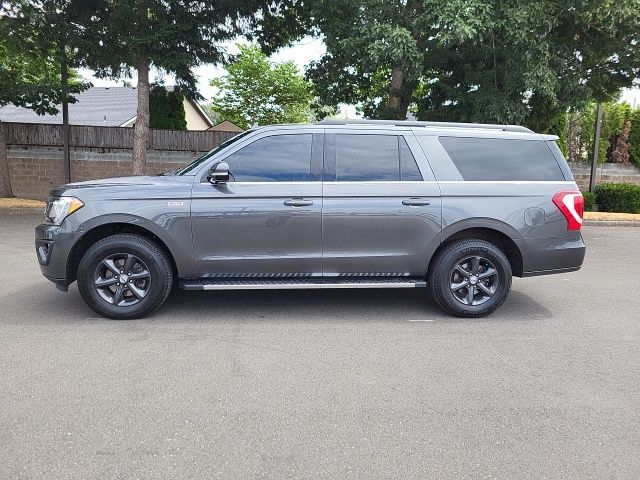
612,216
21,203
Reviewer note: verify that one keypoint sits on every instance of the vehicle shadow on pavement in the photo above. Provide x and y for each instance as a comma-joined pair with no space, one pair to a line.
382,305
46,305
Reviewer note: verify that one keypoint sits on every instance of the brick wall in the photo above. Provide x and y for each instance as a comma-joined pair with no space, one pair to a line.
35,170
604,174
34,153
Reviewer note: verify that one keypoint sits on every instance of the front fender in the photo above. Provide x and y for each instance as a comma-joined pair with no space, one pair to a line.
173,229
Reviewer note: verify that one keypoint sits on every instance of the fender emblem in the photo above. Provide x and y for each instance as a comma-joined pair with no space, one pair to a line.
175,204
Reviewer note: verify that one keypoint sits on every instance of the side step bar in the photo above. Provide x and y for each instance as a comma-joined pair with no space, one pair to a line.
302,283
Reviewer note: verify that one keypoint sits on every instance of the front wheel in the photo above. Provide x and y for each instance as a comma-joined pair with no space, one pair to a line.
124,276
470,278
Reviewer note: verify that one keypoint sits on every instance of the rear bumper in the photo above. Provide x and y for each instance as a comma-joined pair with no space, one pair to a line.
546,256
537,273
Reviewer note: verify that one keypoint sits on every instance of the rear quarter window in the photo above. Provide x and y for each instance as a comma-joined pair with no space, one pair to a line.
497,159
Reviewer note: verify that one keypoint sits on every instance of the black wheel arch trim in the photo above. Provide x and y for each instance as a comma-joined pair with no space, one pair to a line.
184,264
486,223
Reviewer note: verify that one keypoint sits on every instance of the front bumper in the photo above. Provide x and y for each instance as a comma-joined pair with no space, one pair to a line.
53,244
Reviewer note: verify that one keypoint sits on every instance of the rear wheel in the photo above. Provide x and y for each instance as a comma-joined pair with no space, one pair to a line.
124,276
470,278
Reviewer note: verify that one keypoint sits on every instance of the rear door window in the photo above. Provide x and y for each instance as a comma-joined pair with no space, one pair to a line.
496,159
367,158
374,158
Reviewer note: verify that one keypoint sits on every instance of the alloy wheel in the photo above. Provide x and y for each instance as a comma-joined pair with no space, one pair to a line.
474,280
122,279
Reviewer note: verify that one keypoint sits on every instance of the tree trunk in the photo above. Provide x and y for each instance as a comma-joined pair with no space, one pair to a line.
141,127
4,165
64,87
398,95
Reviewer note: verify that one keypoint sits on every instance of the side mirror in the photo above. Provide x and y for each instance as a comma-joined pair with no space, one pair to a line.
219,173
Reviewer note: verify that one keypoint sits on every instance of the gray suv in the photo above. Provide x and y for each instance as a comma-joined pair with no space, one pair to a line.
455,208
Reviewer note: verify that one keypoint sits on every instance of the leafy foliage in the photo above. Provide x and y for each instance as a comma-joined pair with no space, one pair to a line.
31,81
166,109
634,137
618,197
256,91
174,36
580,131
213,115
465,60
589,200
620,153
38,38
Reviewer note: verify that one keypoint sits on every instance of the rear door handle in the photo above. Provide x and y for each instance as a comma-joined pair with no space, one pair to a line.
416,202
298,202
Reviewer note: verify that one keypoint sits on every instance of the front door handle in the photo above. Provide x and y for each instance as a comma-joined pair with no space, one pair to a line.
298,202
416,202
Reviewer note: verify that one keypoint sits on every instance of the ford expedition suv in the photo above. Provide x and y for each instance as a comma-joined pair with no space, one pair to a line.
455,208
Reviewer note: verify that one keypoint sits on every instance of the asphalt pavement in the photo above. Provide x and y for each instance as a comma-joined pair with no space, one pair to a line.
324,384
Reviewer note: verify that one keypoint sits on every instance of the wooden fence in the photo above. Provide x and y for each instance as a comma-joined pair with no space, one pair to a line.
112,137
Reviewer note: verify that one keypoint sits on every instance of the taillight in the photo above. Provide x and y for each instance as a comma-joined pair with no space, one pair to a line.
571,204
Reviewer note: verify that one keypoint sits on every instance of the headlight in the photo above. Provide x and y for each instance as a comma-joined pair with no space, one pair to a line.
59,208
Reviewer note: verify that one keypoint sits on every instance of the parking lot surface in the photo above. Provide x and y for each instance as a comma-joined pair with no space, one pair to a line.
324,384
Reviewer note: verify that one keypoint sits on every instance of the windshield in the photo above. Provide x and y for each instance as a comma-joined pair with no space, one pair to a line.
198,161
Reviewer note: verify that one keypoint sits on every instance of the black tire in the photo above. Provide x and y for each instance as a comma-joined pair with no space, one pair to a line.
452,281
148,261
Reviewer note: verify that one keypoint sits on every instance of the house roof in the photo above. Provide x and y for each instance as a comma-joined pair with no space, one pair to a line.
97,106
101,106
226,126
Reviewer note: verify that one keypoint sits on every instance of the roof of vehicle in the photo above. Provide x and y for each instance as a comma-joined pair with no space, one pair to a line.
461,129
412,123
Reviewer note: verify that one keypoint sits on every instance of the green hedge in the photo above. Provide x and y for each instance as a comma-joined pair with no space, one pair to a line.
589,200
618,197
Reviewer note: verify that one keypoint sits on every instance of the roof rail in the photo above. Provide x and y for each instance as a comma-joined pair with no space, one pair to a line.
412,123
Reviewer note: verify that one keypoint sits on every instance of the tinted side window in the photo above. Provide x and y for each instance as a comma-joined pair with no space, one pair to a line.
502,159
408,167
361,158
278,158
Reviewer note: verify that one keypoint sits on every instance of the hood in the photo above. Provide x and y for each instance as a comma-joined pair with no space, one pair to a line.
131,187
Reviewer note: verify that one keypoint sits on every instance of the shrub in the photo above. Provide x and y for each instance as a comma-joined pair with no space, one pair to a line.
634,138
613,120
166,109
589,200
620,153
618,197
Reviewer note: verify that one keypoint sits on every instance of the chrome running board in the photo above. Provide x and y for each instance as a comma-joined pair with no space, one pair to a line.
301,283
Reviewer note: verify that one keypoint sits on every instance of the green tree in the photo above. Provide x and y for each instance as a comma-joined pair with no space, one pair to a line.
579,130
634,137
620,151
166,109
26,81
173,36
257,91
213,114
614,117
49,33
465,60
